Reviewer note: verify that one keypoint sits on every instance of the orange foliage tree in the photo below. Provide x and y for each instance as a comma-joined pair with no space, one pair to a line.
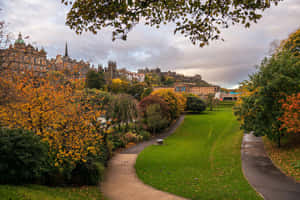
291,117
175,101
60,113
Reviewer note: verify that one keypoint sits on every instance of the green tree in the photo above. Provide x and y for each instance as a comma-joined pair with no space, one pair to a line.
123,109
277,77
136,90
211,101
95,79
200,21
195,104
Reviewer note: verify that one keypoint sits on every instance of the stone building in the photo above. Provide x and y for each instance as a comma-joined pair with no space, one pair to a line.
21,57
228,95
196,90
111,71
204,91
192,88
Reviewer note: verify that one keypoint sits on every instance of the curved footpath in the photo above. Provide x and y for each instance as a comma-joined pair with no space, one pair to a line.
121,181
268,180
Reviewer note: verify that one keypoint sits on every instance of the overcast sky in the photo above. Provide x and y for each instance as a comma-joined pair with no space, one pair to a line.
224,63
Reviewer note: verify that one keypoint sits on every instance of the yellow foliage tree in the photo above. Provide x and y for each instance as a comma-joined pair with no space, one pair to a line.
292,43
60,114
117,85
244,92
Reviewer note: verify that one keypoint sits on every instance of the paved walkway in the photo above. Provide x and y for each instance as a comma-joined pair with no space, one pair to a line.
121,181
263,175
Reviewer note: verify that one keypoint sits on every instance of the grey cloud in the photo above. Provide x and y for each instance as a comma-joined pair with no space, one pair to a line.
225,63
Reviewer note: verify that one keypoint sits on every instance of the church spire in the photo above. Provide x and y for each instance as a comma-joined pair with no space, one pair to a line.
66,50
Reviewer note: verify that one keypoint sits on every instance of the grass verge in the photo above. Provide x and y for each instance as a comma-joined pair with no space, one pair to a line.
38,192
201,160
286,158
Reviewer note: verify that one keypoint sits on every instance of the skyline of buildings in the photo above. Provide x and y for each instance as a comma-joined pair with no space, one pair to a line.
20,56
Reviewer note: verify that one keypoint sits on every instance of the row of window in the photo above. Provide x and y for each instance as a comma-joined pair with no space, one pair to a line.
180,89
28,59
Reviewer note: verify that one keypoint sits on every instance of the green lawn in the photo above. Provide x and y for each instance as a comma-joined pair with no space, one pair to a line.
37,192
201,160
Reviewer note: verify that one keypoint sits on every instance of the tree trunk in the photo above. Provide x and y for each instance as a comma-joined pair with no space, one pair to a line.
126,127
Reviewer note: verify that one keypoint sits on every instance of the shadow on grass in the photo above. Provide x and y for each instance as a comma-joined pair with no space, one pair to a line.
197,113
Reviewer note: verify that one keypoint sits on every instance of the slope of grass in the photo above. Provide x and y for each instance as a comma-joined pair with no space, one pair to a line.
37,192
201,160
287,158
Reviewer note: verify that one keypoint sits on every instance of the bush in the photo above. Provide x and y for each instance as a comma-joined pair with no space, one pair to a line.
195,104
155,120
117,141
131,138
106,152
84,173
145,134
89,173
22,156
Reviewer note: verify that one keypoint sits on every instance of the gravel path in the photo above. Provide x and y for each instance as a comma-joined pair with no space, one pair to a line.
263,175
121,181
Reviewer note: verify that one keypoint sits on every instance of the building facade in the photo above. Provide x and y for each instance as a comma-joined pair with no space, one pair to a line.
21,57
132,76
193,89
231,96
196,90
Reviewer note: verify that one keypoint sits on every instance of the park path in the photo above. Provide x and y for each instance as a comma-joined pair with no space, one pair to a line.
121,181
267,179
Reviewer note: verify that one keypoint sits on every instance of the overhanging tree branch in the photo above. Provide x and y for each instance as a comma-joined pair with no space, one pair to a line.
199,20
